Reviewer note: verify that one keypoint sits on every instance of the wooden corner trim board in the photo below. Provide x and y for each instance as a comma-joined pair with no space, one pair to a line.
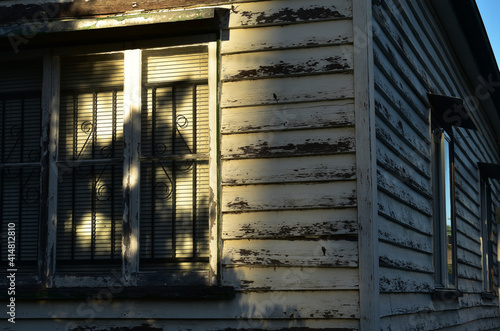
366,165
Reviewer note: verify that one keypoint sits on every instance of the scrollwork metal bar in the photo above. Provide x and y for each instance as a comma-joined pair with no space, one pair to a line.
93,208
153,175
94,180
22,185
113,147
174,188
195,191
74,175
75,126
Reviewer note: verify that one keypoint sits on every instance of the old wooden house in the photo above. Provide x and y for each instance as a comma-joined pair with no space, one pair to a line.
246,164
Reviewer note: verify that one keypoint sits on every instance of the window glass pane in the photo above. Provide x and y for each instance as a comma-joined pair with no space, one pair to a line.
90,203
448,210
20,132
174,162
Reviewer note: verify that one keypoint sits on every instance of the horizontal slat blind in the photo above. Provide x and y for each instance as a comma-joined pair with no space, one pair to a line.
90,163
20,132
174,160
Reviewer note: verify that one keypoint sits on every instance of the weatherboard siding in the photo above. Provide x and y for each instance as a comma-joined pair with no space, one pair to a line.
411,58
288,236
288,156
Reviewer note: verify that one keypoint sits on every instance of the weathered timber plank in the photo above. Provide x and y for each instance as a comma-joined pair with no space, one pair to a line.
387,104
289,224
288,143
391,209
289,196
402,150
404,194
472,287
308,115
289,36
469,219
404,281
419,140
396,35
245,278
298,253
472,259
248,305
465,201
411,105
403,236
421,319
404,303
298,169
281,12
192,324
467,272
404,259
404,69
277,91
281,63
425,45
468,237
389,161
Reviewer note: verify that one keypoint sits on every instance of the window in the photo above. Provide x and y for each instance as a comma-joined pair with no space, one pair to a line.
126,171
489,174
444,210
20,155
487,237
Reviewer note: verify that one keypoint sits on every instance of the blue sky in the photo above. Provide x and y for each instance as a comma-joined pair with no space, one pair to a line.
490,11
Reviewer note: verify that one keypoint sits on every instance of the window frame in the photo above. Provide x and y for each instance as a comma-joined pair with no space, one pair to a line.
129,274
486,228
443,200
489,174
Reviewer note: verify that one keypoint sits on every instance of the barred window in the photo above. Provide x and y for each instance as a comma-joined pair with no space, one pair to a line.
120,184
20,131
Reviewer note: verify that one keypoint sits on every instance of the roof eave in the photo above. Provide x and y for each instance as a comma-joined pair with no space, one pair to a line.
465,30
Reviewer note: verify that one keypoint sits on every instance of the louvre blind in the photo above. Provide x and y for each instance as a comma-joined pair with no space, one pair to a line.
90,163
20,132
174,159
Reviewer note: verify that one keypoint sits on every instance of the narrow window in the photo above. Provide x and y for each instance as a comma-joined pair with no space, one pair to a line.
489,175
487,236
444,209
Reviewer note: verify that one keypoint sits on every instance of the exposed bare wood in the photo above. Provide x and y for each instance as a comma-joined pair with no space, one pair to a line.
289,36
246,278
289,143
287,90
289,224
299,169
313,253
291,196
308,115
286,12
287,62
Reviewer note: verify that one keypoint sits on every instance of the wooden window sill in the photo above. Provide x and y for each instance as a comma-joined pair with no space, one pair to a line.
488,296
446,294
105,293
